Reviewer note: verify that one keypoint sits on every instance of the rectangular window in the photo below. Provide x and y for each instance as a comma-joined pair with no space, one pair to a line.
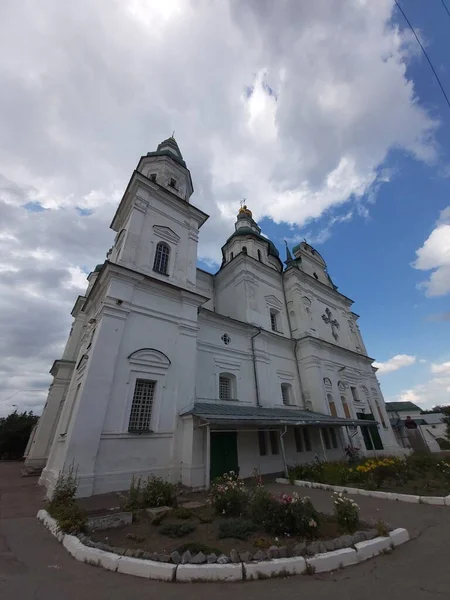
262,443
285,394
298,439
173,183
273,437
224,388
307,439
273,320
326,439
354,394
152,176
333,436
141,407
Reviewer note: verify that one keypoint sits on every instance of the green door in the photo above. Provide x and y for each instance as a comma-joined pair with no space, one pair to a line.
224,456
370,433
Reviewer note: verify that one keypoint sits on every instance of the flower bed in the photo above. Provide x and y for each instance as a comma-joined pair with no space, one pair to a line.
422,475
237,523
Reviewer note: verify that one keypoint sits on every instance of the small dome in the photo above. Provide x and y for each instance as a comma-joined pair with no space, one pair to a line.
245,212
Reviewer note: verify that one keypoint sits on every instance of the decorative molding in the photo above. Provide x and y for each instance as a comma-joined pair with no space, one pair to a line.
141,204
165,233
149,357
273,302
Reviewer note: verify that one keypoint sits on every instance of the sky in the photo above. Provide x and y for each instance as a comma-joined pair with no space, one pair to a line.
325,115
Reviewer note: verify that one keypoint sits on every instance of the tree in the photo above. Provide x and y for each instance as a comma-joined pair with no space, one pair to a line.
15,429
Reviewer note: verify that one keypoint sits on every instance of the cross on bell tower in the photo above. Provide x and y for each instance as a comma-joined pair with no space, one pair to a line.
327,317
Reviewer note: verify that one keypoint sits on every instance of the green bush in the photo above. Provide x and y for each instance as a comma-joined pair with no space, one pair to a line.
63,507
347,513
195,548
181,513
260,505
158,492
177,530
71,518
290,515
240,529
229,497
151,494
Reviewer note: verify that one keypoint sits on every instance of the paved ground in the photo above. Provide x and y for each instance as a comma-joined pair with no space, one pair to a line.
33,566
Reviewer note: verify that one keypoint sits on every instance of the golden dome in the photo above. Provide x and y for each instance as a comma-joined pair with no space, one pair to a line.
245,211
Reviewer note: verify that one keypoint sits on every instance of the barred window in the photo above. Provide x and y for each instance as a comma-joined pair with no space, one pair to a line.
225,391
307,439
141,407
161,264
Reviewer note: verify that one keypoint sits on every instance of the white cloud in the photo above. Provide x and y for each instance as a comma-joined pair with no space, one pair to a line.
396,362
442,368
435,255
269,102
435,391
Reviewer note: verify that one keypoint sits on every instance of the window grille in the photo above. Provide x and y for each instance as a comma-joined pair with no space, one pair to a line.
141,407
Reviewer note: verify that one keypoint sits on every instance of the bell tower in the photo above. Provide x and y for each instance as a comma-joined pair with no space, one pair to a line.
156,226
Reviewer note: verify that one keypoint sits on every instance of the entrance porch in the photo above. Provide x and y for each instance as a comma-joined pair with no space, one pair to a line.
249,439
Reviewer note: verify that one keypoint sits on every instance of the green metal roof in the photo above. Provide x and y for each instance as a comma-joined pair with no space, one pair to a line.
247,231
401,406
225,413
175,155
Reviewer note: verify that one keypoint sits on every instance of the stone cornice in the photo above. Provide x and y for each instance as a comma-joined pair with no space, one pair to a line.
319,342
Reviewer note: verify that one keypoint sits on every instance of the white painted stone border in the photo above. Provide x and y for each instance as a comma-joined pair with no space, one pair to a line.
437,500
297,565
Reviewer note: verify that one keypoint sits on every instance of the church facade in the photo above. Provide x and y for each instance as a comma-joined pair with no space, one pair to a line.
173,371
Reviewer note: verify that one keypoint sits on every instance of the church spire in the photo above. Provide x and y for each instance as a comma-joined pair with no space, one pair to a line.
289,262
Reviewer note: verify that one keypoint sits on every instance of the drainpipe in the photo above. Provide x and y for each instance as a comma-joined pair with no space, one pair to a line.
302,392
258,403
283,451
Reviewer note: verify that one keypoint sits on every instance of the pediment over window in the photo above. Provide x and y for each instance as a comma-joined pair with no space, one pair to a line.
165,233
149,357
273,302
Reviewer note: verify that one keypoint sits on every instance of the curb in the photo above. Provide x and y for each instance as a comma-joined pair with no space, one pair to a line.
278,567
435,500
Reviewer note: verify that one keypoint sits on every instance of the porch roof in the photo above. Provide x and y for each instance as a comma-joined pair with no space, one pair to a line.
224,413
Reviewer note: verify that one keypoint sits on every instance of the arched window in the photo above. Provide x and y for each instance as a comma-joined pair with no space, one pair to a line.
244,249
341,386
331,405
227,386
286,393
327,383
231,255
259,255
161,264
345,407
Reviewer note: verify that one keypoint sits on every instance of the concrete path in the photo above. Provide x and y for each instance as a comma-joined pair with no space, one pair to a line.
33,566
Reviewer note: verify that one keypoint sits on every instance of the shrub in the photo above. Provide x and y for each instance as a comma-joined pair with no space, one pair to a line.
71,518
182,513
195,548
66,486
157,492
352,454
177,530
287,515
239,528
134,500
260,505
347,513
63,507
228,495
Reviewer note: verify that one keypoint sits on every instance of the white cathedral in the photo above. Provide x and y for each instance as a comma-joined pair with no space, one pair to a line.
170,370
